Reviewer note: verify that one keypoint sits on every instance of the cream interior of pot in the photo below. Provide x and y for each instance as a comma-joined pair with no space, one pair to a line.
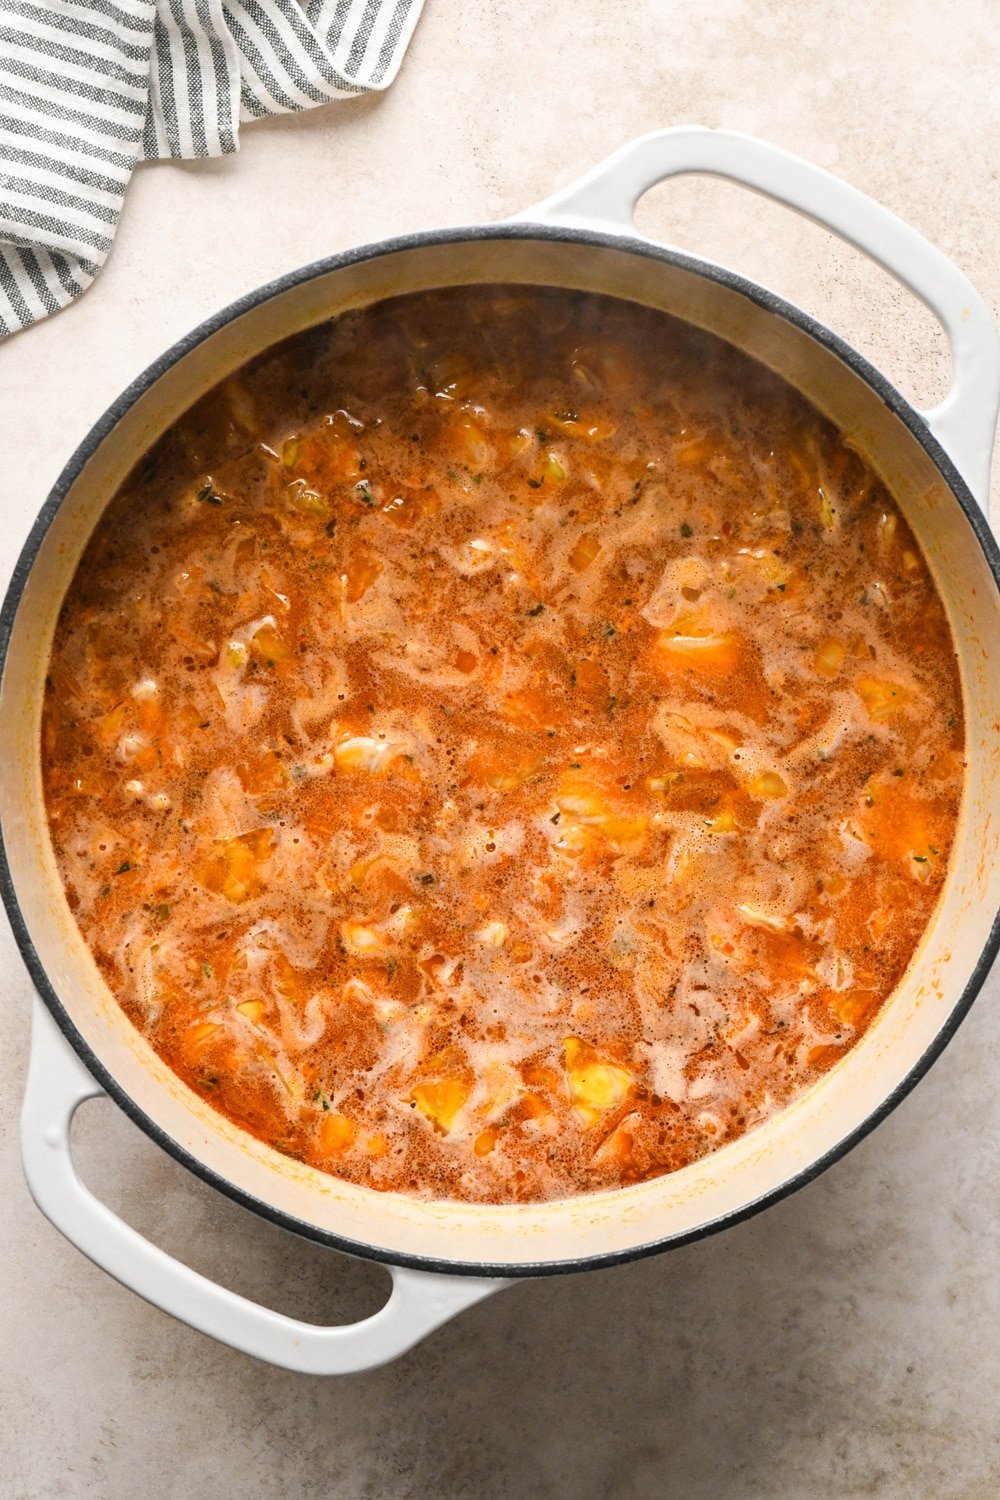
730,1179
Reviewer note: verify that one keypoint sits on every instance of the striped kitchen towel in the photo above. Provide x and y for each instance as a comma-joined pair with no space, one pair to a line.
88,87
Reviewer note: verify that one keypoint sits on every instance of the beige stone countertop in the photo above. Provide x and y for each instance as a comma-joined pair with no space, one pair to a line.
842,1344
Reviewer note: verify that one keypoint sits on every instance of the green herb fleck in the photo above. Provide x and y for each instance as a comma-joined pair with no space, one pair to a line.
609,631
686,530
208,495
555,817
207,970
427,879
537,610
365,493
123,868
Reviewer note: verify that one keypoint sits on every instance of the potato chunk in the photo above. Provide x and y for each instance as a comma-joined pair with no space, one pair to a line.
829,658
584,551
768,785
881,697
267,645
336,1133
235,868
595,1085
692,644
361,939
440,1101
362,571
360,752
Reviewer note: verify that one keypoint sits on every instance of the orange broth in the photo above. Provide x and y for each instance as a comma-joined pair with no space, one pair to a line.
504,743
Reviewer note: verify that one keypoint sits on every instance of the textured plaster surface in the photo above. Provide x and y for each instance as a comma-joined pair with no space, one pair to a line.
843,1344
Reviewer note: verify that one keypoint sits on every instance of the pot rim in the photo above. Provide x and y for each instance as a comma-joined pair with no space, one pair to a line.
101,429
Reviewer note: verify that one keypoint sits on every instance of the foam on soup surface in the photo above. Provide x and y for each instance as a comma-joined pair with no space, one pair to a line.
502,744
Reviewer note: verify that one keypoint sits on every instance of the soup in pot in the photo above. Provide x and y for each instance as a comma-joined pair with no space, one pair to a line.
502,744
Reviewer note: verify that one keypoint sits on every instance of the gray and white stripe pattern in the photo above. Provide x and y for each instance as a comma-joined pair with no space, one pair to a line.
88,87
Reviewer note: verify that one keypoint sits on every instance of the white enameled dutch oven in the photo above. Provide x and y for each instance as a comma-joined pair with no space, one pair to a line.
446,1256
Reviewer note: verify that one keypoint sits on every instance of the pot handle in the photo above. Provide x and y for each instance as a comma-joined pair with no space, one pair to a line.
58,1083
605,198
